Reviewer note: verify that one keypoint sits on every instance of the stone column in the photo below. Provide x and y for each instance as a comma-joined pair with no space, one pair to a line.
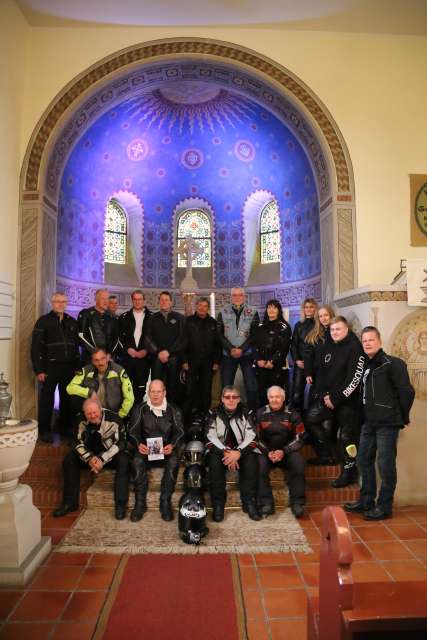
22,548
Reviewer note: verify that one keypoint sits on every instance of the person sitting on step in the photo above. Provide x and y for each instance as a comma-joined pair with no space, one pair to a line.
155,418
280,440
100,443
232,446
105,379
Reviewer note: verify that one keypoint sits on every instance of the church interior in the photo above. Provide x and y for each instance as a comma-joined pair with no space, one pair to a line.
283,137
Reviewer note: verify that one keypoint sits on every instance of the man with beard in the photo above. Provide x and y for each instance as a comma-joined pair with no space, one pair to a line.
105,379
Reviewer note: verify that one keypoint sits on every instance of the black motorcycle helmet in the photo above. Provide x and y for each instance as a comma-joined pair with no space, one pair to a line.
193,477
194,452
192,517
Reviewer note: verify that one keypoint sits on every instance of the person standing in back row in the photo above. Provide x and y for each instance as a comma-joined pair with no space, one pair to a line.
339,375
236,324
55,356
301,329
135,357
387,397
98,328
201,359
165,340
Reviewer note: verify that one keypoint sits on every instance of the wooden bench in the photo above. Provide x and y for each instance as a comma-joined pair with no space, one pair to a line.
345,610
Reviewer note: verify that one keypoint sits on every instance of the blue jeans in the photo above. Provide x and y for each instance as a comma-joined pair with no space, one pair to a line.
378,443
228,373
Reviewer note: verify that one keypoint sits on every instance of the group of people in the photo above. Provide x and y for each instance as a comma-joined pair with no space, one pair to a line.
101,364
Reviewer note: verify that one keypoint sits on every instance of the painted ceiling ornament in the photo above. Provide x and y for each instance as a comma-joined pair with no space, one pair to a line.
244,150
192,159
190,104
137,150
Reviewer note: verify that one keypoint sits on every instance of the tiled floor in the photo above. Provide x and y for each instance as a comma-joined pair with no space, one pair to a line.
64,599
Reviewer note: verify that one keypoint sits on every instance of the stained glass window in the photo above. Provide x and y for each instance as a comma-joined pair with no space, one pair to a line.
270,233
195,223
115,234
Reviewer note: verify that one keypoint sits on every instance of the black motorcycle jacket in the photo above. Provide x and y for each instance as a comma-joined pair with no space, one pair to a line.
271,341
301,329
54,341
165,332
278,429
311,354
386,392
201,338
98,330
340,369
144,423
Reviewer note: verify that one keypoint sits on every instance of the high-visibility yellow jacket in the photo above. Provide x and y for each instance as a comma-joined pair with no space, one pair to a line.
118,388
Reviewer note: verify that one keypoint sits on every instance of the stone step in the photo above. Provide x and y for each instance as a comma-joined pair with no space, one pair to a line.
48,494
44,469
319,491
44,475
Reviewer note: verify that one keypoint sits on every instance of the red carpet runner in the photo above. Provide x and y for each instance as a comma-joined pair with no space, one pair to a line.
176,597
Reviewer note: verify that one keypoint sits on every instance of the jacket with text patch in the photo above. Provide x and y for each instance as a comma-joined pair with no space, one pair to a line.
340,369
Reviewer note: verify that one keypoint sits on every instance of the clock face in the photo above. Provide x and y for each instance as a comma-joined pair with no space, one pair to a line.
421,209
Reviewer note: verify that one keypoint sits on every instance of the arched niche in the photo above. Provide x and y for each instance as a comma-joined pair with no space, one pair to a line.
255,272
203,276
131,272
96,89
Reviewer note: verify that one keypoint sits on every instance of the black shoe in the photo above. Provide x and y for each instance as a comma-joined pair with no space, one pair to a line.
355,507
63,509
252,511
266,510
120,511
297,510
138,511
346,477
376,514
166,510
218,513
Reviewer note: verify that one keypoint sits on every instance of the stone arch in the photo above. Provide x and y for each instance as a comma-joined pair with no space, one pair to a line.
38,196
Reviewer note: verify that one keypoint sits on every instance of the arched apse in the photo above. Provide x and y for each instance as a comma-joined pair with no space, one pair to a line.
180,139
98,89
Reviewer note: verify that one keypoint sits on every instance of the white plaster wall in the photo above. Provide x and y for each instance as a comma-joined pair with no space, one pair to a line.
14,37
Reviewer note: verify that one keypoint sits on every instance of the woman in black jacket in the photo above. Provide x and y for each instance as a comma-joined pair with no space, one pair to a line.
322,432
271,342
301,329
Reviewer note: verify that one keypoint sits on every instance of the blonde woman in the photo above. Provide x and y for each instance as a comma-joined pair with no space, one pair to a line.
301,329
321,427
315,339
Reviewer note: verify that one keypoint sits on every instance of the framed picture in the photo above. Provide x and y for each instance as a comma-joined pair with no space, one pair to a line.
418,190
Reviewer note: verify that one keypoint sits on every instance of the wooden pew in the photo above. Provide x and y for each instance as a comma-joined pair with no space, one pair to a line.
344,610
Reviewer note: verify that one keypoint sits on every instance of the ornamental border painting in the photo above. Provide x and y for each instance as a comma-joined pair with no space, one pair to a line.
418,198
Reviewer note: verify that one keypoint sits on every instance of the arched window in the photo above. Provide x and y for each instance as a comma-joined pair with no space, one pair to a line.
270,233
115,235
195,223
